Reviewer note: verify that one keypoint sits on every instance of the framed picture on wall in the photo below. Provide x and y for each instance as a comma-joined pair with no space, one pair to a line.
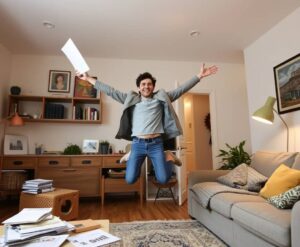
84,89
15,144
59,81
287,83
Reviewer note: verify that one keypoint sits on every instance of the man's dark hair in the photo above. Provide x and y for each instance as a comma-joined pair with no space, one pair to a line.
144,76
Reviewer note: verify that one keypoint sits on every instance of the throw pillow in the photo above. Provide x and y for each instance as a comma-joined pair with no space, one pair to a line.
238,176
282,179
287,199
255,180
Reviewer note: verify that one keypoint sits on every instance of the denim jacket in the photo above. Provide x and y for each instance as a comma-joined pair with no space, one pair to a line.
171,122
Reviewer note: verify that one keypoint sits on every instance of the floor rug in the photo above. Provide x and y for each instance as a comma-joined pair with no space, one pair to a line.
171,233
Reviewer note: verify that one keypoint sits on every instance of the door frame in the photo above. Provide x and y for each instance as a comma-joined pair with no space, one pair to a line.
213,123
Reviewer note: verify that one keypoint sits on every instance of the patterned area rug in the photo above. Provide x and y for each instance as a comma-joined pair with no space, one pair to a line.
179,233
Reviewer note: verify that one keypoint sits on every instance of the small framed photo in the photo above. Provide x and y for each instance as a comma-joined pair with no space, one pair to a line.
59,81
287,82
14,144
84,89
90,146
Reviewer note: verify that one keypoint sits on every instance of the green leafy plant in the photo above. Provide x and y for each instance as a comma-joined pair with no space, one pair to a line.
104,142
72,149
234,156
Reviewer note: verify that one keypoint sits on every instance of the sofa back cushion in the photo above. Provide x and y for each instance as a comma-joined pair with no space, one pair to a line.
296,164
267,162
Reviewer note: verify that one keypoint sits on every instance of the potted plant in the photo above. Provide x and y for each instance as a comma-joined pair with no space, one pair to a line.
72,149
104,146
234,156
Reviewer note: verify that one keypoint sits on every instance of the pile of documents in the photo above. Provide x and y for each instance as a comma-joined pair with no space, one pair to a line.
37,186
33,223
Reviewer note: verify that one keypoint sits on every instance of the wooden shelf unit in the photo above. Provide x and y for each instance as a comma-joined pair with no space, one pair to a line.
35,105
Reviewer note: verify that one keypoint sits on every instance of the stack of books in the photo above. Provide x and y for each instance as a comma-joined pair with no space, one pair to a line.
33,224
37,186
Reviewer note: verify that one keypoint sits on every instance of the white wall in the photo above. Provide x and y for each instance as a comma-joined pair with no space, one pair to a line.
274,47
5,65
229,87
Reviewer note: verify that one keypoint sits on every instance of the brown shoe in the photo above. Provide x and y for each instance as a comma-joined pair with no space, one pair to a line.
172,157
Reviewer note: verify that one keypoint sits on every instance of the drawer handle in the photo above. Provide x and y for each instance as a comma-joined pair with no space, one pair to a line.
86,162
69,170
18,162
53,162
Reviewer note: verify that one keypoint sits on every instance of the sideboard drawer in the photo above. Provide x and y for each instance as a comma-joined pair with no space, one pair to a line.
19,163
86,161
111,161
54,161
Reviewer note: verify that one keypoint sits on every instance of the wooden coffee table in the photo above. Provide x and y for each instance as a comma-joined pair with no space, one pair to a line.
104,225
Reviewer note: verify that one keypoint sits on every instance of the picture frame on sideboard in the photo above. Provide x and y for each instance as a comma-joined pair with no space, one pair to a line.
15,144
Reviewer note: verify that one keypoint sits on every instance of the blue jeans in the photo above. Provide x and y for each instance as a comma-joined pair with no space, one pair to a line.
154,150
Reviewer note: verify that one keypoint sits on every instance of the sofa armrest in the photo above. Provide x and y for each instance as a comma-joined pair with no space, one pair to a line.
199,176
295,224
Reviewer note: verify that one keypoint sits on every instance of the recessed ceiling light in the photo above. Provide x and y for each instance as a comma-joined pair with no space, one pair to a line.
48,24
194,33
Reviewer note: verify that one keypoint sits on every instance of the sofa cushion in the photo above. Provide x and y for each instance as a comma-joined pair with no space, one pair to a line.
266,162
237,176
223,202
264,220
255,180
286,199
296,164
206,190
283,179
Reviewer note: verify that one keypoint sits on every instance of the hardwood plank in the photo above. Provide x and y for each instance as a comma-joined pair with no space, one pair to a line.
116,209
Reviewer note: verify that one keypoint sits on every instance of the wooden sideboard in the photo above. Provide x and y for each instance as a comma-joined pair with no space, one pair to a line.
81,172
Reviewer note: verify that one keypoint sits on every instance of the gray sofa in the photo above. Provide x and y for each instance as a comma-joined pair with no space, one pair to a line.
242,220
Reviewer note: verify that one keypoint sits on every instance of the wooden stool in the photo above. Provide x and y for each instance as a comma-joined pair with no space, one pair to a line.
170,184
64,202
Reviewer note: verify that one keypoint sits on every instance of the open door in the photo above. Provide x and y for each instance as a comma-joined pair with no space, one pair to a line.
181,147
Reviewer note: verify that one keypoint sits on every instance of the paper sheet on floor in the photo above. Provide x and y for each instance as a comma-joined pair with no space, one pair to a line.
93,238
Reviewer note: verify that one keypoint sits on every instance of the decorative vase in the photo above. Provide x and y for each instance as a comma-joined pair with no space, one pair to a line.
15,90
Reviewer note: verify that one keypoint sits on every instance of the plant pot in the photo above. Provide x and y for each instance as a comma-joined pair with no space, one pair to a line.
104,148
15,90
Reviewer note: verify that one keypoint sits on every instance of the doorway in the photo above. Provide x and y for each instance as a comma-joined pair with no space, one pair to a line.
197,132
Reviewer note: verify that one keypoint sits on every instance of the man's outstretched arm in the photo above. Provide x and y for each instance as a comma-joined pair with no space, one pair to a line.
108,90
204,72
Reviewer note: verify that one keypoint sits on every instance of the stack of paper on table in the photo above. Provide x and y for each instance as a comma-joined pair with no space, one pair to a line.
33,223
37,186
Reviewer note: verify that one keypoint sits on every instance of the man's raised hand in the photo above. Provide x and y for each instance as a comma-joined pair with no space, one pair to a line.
207,71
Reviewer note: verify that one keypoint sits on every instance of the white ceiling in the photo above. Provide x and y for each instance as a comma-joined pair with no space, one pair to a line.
141,29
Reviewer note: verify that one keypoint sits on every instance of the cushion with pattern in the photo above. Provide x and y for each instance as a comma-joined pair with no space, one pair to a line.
286,199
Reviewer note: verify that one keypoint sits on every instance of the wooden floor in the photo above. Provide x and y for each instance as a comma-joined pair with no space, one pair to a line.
116,209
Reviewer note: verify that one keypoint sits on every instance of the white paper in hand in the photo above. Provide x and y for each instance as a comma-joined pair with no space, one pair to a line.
75,57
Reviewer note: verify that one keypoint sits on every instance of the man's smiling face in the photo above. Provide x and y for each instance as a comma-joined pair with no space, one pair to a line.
146,88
